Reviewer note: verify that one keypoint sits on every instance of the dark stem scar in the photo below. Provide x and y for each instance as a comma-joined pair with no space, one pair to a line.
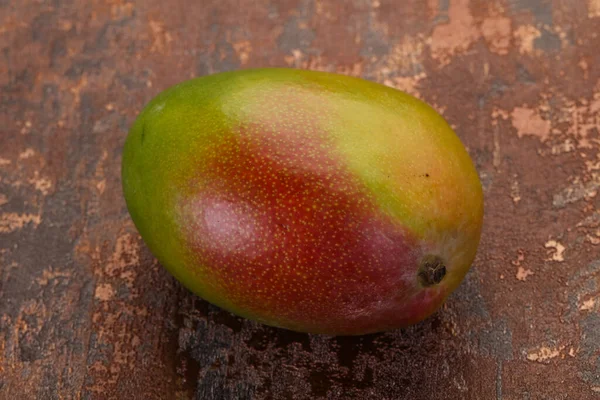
431,270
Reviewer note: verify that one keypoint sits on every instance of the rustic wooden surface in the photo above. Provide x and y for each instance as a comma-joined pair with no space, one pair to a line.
85,310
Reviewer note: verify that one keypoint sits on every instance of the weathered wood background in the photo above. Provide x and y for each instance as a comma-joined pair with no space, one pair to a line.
87,313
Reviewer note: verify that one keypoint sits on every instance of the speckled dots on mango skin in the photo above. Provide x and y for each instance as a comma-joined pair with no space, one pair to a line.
274,217
271,215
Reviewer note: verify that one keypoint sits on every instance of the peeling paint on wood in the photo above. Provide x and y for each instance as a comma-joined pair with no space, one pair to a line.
87,312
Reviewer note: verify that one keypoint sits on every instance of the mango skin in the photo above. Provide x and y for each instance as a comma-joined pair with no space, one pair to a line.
304,200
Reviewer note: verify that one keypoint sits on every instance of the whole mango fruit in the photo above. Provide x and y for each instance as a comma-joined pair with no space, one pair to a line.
305,200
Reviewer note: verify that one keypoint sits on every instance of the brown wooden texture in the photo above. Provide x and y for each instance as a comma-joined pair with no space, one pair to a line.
87,313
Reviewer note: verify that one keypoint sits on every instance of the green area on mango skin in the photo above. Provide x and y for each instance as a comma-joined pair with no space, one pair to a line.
394,164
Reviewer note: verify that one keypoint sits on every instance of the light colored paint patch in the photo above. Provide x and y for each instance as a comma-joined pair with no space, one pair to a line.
593,8
562,35
101,186
587,305
125,256
26,128
26,154
455,36
294,59
121,11
408,84
557,254
49,274
243,50
4,161
42,185
298,59
406,56
593,116
104,292
560,148
497,34
529,122
594,239
525,36
10,222
544,354
497,114
582,118
520,258
403,66
3,199
578,191
355,69
593,165
523,273
595,105
515,192
161,38
590,221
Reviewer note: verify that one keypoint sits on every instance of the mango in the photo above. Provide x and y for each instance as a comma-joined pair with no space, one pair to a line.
310,201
